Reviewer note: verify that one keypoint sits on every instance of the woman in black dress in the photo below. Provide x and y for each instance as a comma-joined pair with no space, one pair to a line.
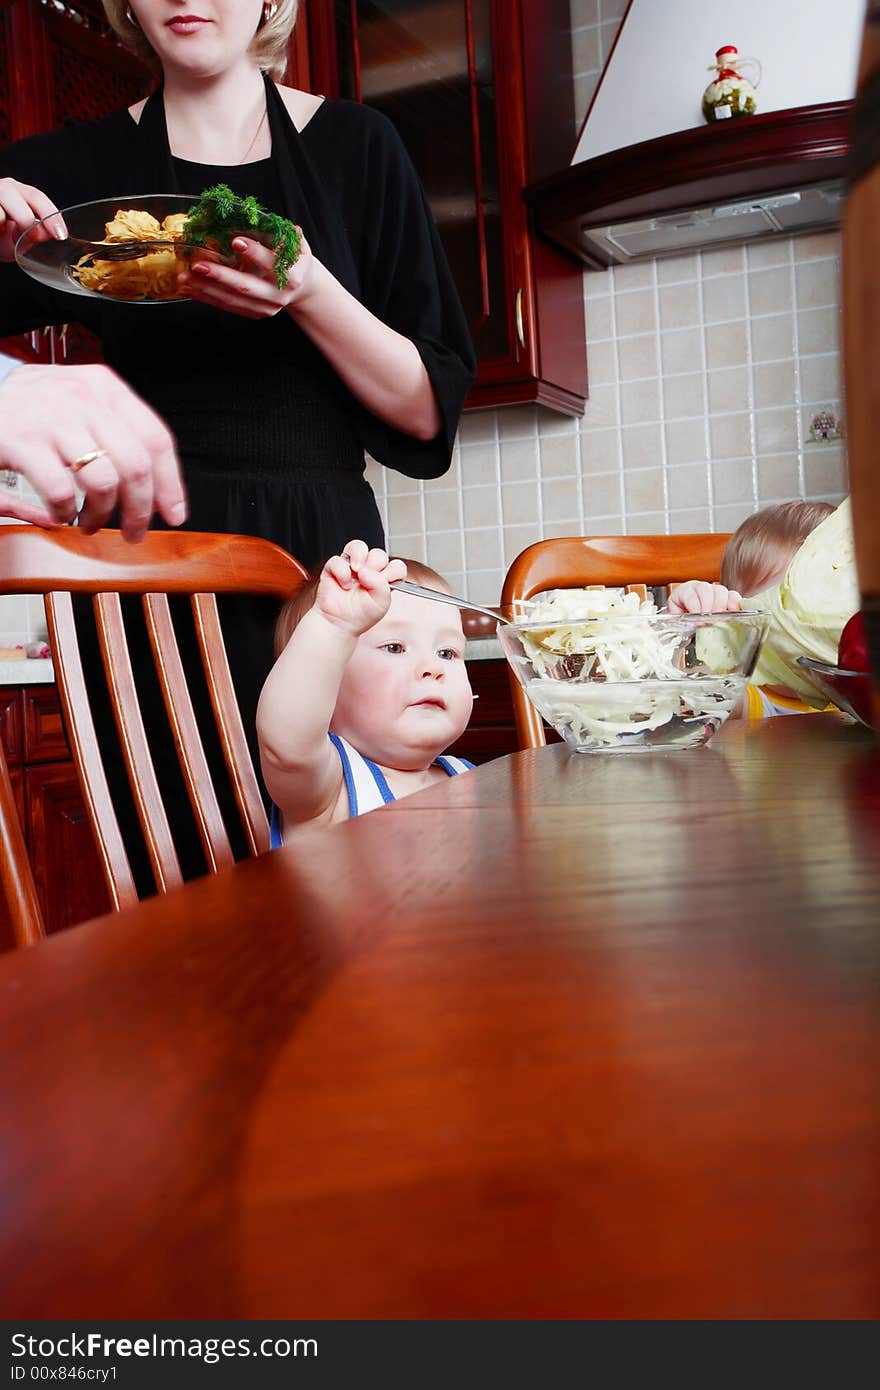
274,395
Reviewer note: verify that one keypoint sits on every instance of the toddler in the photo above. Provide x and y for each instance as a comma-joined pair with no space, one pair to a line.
757,557
368,689
762,548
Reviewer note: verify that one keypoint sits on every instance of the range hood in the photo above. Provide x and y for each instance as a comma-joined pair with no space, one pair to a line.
681,183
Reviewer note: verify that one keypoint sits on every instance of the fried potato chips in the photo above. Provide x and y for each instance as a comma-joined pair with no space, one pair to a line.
150,276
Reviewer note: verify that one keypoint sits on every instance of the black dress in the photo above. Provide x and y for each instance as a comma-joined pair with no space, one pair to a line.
271,440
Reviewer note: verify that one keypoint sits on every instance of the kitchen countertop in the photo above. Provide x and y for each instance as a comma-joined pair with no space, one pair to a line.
483,649
482,645
27,672
42,672
482,642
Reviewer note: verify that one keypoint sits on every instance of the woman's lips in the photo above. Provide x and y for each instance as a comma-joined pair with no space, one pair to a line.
186,23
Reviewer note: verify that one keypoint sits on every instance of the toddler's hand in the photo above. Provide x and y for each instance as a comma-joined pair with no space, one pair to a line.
354,590
698,596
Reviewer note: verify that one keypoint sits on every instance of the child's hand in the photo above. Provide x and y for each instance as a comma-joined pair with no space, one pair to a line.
697,596
354,589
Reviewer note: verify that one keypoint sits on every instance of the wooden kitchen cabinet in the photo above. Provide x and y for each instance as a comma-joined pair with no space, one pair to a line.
491,732
481,93
67,869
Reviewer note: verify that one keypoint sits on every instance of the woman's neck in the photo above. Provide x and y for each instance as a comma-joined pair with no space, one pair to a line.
218,120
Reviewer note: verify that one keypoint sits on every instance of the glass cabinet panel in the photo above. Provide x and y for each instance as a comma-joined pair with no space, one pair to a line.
428,65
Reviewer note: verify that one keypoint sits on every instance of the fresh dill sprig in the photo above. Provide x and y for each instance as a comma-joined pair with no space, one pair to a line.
220,215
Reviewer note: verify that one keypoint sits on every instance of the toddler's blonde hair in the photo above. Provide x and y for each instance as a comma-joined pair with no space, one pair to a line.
765,543
299,603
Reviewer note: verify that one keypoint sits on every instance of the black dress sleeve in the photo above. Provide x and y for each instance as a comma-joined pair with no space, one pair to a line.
406,282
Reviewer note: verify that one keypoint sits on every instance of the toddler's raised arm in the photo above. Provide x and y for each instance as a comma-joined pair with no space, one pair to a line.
302,774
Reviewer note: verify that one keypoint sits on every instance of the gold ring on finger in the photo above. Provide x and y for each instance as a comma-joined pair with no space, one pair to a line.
87,458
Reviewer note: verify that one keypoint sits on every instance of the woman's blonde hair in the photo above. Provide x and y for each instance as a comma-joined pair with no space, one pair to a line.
765,544
299,603
269,46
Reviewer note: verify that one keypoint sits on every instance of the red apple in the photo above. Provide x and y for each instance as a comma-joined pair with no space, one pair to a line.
852,650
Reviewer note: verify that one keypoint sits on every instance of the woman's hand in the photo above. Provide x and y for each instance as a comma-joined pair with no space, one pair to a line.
20,207
354,591
250,288
698,596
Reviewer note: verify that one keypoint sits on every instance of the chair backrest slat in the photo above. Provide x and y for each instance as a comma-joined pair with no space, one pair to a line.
87,758
187,739
232,736
16,875
133,739
581,561
196,565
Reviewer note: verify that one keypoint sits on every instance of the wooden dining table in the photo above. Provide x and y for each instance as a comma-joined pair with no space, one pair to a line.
573,1037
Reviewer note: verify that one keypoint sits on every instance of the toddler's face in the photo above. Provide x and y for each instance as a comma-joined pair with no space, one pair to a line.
405,696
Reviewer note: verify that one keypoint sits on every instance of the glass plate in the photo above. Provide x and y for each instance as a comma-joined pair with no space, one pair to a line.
849,690
148,278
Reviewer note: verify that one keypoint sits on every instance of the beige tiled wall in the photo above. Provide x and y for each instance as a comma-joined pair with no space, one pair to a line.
705,373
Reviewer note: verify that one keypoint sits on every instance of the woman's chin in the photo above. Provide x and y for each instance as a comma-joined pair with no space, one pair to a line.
194,58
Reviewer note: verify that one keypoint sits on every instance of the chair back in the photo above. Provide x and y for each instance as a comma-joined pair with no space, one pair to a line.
571,562
18,891
201,566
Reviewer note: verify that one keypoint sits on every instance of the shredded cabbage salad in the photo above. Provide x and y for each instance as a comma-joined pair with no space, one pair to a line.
612,682
627,650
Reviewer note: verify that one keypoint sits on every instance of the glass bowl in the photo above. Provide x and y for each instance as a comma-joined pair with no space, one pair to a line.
848,690
146,278
632,682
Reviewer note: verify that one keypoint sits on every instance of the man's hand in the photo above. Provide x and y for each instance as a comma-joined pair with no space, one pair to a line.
52,416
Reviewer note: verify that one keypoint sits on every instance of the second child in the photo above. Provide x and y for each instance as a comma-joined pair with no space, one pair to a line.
757,557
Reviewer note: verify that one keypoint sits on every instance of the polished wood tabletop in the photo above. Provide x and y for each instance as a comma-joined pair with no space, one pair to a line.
568,1037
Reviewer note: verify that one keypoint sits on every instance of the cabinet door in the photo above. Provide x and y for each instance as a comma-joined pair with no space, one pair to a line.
10,723
7,936
454,78
67,870
429,66
43,736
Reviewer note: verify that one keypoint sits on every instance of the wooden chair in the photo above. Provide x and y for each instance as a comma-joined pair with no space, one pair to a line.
575,561
61,563
19,891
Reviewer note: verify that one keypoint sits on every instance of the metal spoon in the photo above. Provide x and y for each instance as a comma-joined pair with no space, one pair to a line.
419,591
